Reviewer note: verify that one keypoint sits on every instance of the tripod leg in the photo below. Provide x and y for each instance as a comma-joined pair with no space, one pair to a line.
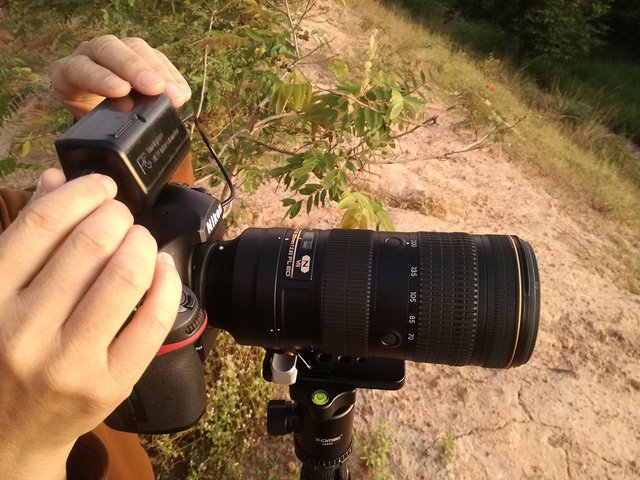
318,472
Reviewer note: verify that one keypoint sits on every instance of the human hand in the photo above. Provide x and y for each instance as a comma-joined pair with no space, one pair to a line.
73,267
109,67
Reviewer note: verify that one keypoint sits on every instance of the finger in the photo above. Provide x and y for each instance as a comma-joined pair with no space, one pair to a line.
114,295
50,179
82,84
134,348
81,74
32,238
111,53
152,57
178,79
69,274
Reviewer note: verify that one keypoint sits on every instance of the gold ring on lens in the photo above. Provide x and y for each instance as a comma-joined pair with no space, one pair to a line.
515,345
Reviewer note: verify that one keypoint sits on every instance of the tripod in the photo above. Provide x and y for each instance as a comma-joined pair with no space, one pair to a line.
320,415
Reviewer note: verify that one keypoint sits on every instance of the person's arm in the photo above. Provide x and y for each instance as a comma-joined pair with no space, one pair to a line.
11,202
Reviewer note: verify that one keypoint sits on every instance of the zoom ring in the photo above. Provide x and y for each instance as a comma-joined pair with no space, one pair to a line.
448,298
346,292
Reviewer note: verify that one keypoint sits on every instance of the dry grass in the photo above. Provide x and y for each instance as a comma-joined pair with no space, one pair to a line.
491,93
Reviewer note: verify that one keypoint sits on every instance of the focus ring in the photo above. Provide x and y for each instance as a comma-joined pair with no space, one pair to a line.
346,292
448,316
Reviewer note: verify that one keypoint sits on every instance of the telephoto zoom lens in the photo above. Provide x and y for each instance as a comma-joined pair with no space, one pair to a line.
450,298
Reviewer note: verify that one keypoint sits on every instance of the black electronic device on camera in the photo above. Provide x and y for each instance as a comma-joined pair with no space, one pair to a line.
137,140
336,310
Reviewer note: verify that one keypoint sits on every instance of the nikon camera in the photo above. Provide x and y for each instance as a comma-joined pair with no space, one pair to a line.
449,298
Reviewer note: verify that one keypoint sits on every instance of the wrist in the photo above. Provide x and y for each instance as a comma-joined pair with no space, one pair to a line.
184,172
31,462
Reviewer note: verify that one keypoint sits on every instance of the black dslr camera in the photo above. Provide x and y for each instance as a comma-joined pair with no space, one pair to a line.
334,309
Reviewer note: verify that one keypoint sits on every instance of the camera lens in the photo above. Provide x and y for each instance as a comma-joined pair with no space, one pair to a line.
450,298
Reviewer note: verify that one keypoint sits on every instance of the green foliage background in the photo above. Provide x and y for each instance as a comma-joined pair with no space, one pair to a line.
555,29
585,50
267,119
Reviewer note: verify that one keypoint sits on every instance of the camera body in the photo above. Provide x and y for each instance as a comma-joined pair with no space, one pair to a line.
140,141
171,395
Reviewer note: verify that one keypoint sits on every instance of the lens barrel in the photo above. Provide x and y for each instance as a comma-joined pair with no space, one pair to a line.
450,298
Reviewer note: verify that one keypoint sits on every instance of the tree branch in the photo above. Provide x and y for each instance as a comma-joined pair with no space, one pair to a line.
204,72
479,144
293,29
272,147
265,121
429,121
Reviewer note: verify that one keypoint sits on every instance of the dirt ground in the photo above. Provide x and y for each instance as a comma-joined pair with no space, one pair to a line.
572,412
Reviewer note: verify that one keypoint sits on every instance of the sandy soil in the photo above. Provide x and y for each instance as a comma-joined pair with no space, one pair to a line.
572,412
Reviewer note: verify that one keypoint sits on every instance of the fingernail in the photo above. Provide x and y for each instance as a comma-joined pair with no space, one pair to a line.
172,91
187,90
109,184
40,191
147,79
115,83
165,257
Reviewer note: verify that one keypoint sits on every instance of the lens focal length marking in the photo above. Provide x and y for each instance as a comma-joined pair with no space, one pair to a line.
413,303
299,264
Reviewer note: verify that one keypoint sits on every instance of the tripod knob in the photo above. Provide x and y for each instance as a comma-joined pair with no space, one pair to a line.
282,417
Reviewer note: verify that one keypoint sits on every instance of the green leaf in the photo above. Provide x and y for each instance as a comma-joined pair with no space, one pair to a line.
310,188
329,179
343,179
413,104
26,148
368,120
253,35
379,121
359,121
300,95
349,88
395,111
295,209
383,221
288,201
339,69
396,105
7,166
324,116
348,200
279,171
301,180
284,93
363,211
330,99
